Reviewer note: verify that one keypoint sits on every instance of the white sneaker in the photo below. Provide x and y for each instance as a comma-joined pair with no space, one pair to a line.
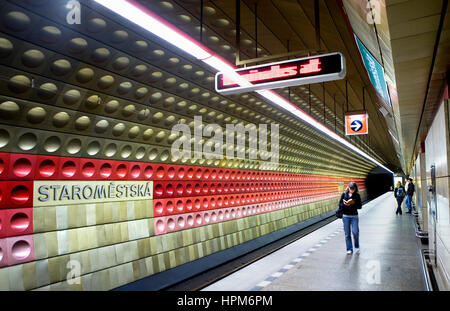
357,250
349,252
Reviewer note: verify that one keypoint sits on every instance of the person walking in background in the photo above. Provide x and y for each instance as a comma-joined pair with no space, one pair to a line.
399,194
350,202
409,193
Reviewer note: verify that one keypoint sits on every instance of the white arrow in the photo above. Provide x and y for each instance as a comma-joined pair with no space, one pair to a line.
356,125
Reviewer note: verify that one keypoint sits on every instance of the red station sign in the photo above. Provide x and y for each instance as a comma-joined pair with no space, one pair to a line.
313,69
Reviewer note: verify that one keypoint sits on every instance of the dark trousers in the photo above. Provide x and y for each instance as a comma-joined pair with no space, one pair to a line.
399,207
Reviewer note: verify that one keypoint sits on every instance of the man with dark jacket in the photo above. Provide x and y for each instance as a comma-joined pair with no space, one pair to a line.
409,193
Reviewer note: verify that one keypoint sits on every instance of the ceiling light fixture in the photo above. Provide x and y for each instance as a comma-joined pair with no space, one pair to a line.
143,17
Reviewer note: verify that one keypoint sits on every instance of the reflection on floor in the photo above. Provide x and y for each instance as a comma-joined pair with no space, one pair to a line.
389,258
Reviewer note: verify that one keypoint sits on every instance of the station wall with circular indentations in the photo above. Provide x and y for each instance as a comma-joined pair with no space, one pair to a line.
86,167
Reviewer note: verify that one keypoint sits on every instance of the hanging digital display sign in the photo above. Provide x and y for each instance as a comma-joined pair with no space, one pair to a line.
313,69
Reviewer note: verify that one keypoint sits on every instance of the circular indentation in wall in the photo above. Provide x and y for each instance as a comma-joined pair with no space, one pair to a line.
182,87
20,222
170,120
119,36
47,168
112,106
221,22
21,250
181,105
140,153
74,146
133,132
96,25
128,110
121,170
36,115
164,155
157,117
27,141
169,82
85,75
139,46
71,97
77,45
61,119
160,226
47,90
9,110
88,169
105,82
121,63
126,151
19,84
213,39
6,47
124,88
157,54
153,154
33,58
101,126
172,138
186,68
82,123
16,21
181,222
148,133
139,70
93,148
148,172
61,67
50,34
160,136
105,170
135,171
118,129
168,102
141,92
20,194
155,97
2,168
143,114
100,55
52,144
22,167
93,101
173,61
183,19
69,169
170,224
110,150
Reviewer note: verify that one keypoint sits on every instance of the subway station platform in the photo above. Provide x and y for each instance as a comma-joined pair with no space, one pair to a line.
389,259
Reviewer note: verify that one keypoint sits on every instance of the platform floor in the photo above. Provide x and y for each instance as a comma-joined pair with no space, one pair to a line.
389,258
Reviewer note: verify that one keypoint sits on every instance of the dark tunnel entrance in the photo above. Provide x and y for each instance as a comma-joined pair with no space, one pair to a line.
378,182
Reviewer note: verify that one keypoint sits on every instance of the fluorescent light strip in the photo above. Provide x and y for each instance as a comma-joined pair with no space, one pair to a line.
138,14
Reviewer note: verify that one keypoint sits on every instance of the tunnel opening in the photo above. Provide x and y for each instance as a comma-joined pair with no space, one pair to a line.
378,182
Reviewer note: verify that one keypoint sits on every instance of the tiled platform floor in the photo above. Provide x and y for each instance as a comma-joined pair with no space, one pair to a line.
389,258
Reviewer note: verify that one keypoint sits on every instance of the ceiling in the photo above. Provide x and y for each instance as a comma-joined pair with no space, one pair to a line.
285,26
412,42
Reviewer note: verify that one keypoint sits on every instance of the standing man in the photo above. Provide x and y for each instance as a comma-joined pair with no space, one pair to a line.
409,193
